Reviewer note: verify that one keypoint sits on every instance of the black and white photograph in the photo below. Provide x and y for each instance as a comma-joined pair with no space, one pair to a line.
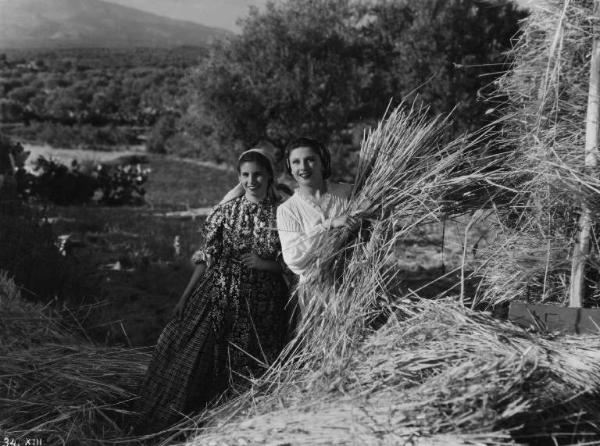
299,222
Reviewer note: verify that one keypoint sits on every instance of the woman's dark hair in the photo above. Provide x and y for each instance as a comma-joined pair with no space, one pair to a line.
256,157
317,147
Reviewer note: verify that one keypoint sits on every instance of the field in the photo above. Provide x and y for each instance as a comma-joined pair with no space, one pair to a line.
128,273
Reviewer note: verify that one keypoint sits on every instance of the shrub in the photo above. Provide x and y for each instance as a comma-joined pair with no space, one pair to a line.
122,184
27,249
75,185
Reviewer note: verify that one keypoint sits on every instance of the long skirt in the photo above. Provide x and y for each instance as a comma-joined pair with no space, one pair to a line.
187,369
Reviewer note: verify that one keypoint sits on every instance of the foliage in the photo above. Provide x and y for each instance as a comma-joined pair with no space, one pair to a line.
122,184
328,68
70,97
161,132
77,184
27,250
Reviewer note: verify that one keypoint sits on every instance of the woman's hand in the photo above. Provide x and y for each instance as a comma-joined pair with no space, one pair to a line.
252,260
345,221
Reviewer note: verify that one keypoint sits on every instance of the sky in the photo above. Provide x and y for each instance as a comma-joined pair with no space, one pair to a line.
217,13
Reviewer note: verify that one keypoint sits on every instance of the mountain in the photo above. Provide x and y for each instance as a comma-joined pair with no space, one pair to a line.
93,23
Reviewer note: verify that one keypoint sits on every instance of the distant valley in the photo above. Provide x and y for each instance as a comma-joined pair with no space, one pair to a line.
93,23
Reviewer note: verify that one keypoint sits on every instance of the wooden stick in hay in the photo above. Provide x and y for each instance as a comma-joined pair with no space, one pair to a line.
582,246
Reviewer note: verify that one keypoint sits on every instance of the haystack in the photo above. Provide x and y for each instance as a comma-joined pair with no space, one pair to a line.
56,388
436,372
445,376
543,134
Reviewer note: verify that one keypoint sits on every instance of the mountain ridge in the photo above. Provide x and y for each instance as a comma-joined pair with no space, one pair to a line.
94,23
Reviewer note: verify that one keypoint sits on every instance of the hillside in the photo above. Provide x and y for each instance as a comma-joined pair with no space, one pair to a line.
93,23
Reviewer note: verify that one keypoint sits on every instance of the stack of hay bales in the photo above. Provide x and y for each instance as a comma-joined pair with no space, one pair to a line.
544,134
55,388
438,372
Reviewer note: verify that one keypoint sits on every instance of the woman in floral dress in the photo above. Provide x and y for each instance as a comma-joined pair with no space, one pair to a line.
230,322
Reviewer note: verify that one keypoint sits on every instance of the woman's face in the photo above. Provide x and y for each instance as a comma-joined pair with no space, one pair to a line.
254,178
306,167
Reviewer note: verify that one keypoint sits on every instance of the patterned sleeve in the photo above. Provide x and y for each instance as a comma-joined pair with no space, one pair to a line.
213,236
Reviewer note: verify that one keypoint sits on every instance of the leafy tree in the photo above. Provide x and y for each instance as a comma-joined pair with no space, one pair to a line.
23,94
161,132
10,110
59,93
293,69
325,67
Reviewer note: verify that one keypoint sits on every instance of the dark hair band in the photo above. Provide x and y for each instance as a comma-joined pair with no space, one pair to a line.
317,147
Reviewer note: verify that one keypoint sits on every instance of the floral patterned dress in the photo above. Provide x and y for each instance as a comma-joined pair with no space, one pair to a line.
233,325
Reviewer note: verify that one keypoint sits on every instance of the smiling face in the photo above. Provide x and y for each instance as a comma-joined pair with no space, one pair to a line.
306,167
254,178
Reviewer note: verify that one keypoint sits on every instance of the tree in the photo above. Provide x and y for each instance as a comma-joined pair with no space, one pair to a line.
292,70
322,67
161,132
10,110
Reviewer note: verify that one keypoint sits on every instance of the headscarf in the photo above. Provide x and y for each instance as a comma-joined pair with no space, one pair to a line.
272,191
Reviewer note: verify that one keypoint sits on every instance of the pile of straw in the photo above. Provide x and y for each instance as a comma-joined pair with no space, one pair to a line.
436,372
55,387
546,94
444,376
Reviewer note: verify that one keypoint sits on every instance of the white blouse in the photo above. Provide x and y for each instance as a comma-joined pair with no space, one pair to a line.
302,220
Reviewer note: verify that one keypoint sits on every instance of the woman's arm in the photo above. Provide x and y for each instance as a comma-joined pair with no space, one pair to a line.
204,258
198,272
297,246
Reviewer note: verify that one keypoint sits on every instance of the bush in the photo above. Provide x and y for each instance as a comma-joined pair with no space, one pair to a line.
27,250
75,185
161,132
122,184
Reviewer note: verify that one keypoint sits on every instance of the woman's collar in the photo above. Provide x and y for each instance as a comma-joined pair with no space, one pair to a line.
317,195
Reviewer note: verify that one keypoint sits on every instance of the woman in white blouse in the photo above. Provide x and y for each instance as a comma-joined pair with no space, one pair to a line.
315,207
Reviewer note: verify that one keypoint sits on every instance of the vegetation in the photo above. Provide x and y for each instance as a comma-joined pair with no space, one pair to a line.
79,392
324,68
330,68
95,97
82,184
376,363
116,267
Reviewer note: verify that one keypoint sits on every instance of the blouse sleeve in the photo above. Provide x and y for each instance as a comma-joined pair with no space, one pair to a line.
297,246
213,236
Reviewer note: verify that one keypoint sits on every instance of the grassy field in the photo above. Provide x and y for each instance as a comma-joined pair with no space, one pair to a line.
128,273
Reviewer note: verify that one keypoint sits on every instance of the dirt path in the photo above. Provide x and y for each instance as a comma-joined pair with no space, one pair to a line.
224,167
66,156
